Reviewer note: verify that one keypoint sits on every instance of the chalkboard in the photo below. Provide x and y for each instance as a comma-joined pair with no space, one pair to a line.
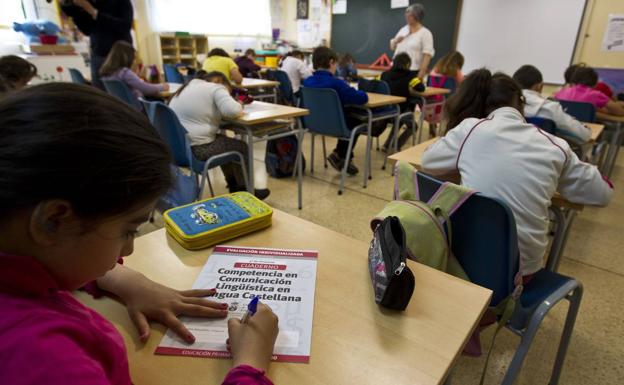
367,27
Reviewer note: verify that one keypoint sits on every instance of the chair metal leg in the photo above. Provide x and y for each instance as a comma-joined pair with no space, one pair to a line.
210,185
324,151
369,144
377,143
394,142
343,174
575,303
312,153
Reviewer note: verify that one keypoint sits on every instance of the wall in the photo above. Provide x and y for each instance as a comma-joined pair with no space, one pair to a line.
592,32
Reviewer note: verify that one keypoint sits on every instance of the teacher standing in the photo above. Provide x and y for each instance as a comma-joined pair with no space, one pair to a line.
105,22
415,40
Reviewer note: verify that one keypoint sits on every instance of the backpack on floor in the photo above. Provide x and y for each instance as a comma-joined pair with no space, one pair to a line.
281,156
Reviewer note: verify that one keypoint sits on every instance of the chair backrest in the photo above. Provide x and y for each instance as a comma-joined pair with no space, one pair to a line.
120,90
172,75
585,112
376,86
76,76
442,81
326,116
545,124
285,86
170,130
484,239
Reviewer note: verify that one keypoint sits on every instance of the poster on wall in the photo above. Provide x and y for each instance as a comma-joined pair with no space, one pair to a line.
302,9
613,40
340,7
399,3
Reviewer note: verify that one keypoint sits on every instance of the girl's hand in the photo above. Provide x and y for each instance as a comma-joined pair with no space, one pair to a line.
147,300
165,86
252,343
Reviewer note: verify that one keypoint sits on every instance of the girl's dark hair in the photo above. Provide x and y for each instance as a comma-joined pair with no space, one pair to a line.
4,86
527,76
345,59
294,53
481,93
208,77
450,64
402,61
322,57
585,76
250,51
567,75
76,143
14,70
218,52
120,56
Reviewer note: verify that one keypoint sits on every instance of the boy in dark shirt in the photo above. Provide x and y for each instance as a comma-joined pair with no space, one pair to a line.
403,82
325,62
247,65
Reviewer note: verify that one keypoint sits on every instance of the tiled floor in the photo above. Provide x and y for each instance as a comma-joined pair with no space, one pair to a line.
593,256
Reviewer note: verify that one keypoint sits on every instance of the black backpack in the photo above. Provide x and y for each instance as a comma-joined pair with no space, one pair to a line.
281,155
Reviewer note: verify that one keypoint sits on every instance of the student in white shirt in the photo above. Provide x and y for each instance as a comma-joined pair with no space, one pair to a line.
530,79
415,40
200,105
497,153
296,69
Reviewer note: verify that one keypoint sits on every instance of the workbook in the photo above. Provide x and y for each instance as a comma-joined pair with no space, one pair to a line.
283,279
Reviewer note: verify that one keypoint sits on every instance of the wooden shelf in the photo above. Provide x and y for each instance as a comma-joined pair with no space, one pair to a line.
176,49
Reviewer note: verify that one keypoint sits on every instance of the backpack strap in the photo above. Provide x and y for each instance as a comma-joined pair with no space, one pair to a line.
405,182
450,197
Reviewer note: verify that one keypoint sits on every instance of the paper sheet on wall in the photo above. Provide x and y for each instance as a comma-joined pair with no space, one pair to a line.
340,7
613,40
399,3
285,280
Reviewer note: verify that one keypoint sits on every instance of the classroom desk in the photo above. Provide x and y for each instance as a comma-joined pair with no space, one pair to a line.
596,130
260,123
428,92
353,340
376,101
563,210
617,122
255,84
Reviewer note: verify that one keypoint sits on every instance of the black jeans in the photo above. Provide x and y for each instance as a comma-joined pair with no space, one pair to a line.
96,64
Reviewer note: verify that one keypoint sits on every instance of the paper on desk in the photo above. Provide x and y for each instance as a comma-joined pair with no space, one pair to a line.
256,107
173,87
284,279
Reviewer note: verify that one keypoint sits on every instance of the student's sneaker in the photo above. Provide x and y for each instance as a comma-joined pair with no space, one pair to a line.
262,194
338,163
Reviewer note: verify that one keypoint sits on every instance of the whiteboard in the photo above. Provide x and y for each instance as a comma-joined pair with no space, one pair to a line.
503,35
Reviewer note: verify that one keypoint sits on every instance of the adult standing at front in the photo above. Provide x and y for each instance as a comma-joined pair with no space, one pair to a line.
105,22
415,40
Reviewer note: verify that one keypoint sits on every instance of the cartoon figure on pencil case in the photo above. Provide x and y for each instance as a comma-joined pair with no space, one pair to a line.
377,266
203,216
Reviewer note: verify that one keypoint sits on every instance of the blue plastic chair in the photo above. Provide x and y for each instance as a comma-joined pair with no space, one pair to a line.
545,124
175,135
76,77
285,87
327,118
172,75
442,81
585,112
120,90
484,241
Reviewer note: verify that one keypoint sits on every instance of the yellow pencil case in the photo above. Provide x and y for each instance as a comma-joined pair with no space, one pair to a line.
206,223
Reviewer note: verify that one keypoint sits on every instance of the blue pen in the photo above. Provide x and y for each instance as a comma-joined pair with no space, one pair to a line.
251,309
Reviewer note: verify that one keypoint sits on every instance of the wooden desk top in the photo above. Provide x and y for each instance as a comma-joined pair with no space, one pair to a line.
263,112
353,341
413,156
258,83
609,117
596,130
432,91
380,100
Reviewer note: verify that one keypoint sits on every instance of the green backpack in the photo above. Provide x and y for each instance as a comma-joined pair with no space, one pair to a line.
426,224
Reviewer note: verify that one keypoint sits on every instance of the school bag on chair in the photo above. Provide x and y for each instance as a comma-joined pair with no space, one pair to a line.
281,156
428,232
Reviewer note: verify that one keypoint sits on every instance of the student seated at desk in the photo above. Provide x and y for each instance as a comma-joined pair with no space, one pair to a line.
449,66
201,104
600,86
325,61
219,60
499,154
117,66
346,68
296,69
530,79
16,72
581,89
403,82
247,65
66,221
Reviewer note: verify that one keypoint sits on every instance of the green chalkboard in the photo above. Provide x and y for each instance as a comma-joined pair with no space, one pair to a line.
367,27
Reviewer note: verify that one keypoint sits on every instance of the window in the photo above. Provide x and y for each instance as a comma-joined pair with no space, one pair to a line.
212,17
11,11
